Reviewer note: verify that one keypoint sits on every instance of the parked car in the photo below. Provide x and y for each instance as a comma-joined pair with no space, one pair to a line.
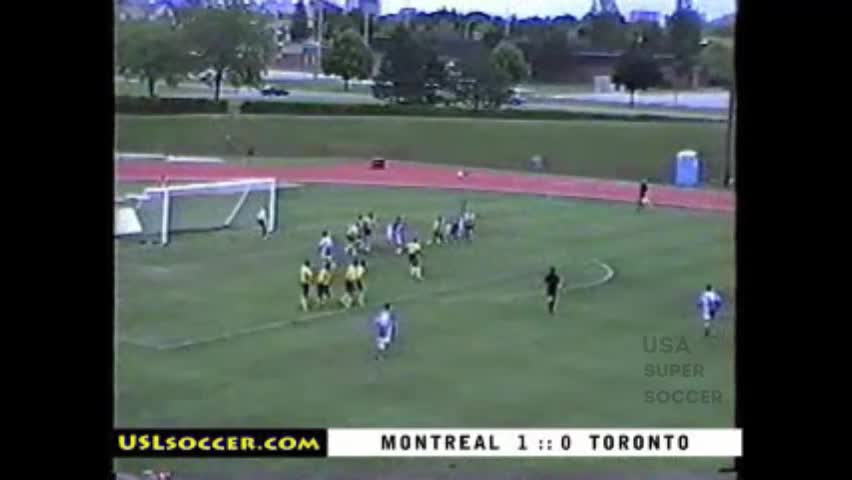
515,98
273,91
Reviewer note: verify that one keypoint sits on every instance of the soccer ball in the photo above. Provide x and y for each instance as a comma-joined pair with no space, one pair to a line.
460,174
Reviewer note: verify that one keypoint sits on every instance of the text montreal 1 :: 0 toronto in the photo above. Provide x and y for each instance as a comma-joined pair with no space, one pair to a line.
440,442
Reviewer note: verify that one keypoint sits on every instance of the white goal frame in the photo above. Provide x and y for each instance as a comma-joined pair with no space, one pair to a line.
270,183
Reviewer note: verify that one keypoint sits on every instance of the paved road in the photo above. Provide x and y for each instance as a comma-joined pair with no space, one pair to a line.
314,92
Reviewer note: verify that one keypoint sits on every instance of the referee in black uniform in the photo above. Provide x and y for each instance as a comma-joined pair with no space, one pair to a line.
552,283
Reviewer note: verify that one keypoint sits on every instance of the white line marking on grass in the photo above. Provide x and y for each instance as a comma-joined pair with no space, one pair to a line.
414,297
140,344
608,275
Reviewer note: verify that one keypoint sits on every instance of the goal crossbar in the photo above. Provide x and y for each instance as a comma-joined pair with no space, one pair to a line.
211,185
242,186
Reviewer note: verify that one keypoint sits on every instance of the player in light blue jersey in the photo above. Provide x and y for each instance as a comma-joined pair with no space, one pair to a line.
386,330
709,303
326,248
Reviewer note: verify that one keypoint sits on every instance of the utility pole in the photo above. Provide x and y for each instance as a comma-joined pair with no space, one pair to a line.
366,27
730,145
320,15
508,22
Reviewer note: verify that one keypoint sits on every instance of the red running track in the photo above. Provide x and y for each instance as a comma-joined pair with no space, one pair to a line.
400,174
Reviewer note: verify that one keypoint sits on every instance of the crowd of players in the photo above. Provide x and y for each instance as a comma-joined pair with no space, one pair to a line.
359,242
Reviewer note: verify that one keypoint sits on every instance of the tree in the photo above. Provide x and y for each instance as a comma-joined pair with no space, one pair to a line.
483,84
402,73
510,59
483,77
636,70
337,23
652,35
548,54
606,31
234,43
717,61
684,37
492,36
356,18
349,57
151,51
299,28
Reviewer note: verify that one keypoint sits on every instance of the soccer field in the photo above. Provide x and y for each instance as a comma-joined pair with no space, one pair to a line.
210,334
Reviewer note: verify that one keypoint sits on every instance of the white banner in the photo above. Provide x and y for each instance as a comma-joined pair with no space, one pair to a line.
451,442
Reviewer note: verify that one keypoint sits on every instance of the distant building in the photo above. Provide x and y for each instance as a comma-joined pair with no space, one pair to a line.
637,16
372,7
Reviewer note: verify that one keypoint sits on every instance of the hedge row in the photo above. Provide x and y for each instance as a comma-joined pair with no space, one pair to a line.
159,106
294,108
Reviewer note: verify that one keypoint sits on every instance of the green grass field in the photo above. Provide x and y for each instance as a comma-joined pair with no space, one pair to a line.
604,149
477,349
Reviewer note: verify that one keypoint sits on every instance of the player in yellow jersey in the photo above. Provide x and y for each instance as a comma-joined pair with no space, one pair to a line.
324,283
306,276
349,279
414,251
360,285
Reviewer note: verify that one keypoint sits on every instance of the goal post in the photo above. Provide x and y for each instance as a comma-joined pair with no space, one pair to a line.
194,207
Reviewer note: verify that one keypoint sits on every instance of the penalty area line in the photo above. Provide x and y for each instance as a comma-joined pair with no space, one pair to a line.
609,274
414,297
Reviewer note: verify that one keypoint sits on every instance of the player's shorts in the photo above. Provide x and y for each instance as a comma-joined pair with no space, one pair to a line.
367,231
351,238
306,289
644,200
349,286
551,293
359,285
382,343
323,291
413,260
709,315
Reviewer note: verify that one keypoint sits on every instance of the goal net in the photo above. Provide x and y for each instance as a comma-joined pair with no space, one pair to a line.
160,212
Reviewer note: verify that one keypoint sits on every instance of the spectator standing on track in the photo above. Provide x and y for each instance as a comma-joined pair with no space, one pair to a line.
643,196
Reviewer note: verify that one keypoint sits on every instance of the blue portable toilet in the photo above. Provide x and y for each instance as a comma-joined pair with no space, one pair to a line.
687,169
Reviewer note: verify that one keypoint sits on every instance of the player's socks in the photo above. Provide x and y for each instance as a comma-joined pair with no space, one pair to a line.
304,302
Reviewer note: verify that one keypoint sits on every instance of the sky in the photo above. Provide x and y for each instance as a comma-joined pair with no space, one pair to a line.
525,8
